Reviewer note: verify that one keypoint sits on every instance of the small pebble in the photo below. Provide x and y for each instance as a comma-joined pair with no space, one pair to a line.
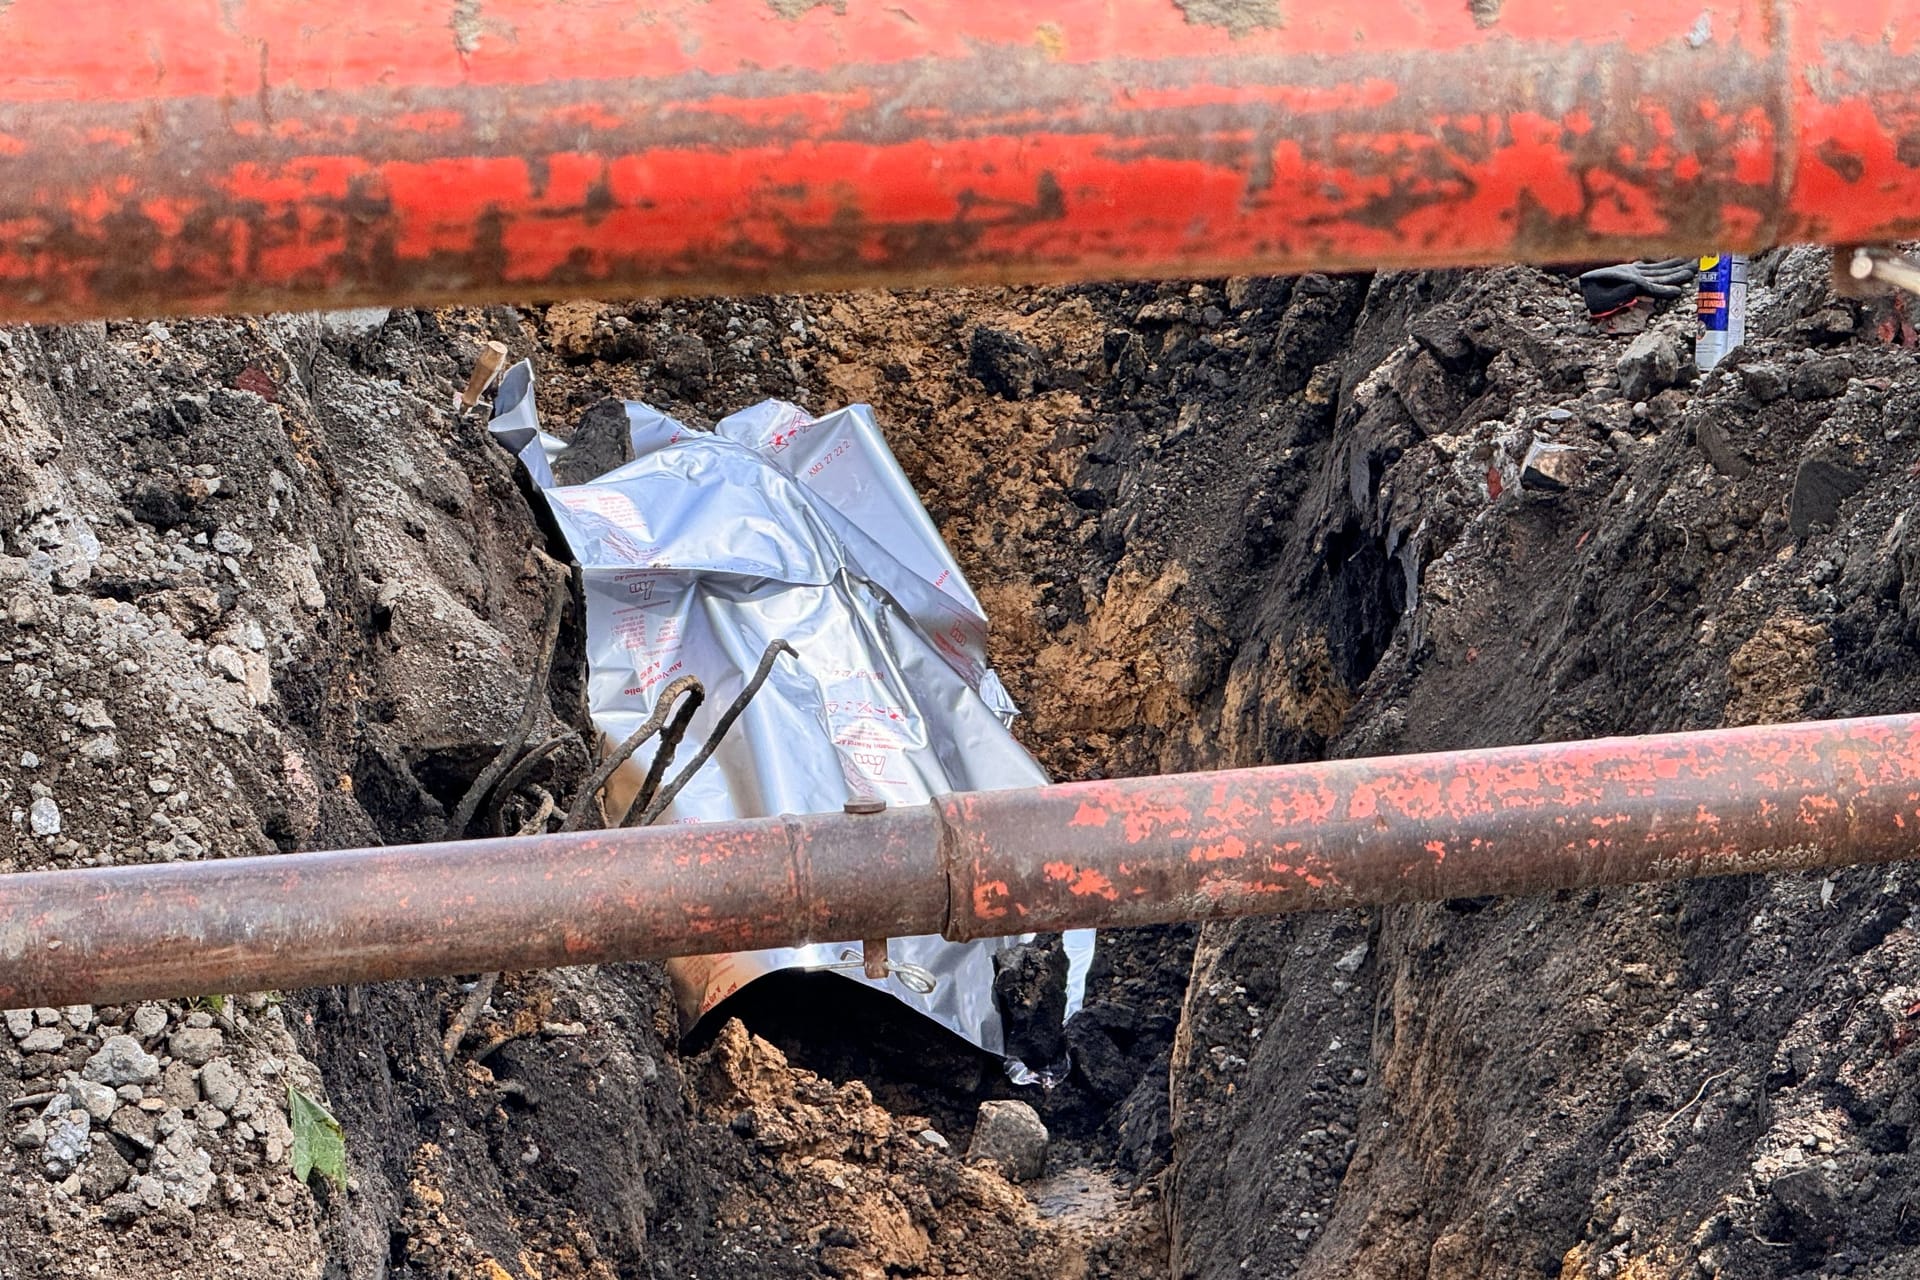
149,1020
43,817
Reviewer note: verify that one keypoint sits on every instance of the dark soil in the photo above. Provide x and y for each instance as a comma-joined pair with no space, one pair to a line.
1708,1078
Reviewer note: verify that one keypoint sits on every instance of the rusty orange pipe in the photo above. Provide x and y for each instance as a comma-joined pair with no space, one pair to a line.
1129,852
246,155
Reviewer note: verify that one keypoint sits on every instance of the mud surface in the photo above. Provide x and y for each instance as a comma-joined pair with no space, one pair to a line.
264,591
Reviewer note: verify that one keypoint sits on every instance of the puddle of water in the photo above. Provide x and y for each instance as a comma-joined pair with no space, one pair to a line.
1077,1195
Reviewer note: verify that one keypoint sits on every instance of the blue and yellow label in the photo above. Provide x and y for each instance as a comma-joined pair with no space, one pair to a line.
1716,280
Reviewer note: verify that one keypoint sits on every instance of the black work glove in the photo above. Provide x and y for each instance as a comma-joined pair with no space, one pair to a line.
1608,289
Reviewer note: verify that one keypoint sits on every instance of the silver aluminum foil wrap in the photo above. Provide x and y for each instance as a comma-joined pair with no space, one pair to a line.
779,525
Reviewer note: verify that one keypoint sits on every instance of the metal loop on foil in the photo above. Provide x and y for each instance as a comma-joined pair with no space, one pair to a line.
912,976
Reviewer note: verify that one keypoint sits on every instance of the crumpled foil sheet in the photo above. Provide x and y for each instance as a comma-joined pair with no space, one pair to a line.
708,546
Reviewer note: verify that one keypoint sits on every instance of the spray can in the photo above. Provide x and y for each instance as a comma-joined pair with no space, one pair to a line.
1723,307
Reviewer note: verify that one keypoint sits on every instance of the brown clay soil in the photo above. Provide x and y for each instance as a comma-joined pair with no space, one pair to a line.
264,591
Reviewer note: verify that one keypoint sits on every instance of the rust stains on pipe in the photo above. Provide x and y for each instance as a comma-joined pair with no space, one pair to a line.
1428,827
1201,846
277,154
364,915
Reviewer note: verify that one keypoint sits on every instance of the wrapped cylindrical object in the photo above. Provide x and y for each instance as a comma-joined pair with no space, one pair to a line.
706,548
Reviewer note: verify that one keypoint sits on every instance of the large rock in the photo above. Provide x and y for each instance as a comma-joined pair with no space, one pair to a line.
123,1208
149,1020
177,1086
136,1126
1821,378
1432,398
69,1141
105,1172
44,1040
32,1136
184,1170
96,1099
602,441
1813,1205
1650,365
1011,1136
43,817
1441,332
1711,433
354,322
1552,468
220,1083
1006,364
1763,382
120,1061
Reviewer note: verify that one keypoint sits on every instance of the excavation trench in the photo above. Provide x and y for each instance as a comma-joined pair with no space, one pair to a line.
265,594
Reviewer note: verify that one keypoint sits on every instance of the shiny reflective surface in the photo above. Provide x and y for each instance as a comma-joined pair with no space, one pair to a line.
707,548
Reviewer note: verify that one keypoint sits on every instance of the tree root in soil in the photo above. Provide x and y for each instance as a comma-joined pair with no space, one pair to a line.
557,596
587,798
712,744
517,775
669,746
507,774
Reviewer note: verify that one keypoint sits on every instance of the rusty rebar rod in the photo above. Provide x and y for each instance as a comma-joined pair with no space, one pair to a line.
1137,851
277,154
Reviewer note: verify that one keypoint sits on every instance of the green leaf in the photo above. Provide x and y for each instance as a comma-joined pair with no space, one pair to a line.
318,1140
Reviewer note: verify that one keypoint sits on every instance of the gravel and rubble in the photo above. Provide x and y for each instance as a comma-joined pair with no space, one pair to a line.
124,1131
865,1196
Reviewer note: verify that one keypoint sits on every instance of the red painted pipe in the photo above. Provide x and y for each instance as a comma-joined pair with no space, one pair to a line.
243,155
1135,851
